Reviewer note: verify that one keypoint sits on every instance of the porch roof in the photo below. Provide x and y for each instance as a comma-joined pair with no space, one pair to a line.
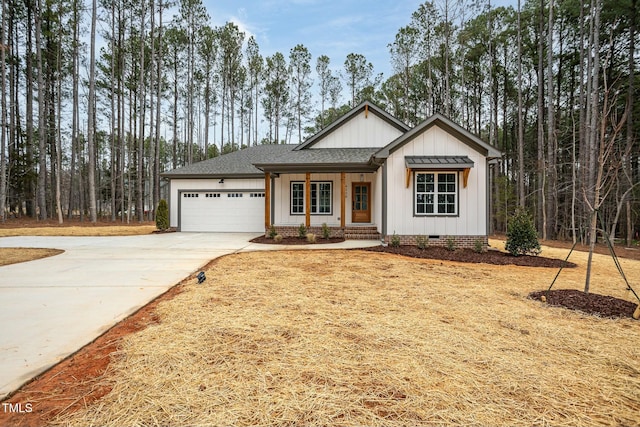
321,160
438,162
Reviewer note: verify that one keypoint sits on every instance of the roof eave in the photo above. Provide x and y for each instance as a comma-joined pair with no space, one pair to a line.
317,167
213,175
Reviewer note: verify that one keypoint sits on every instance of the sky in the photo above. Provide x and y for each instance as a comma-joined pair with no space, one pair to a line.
324,27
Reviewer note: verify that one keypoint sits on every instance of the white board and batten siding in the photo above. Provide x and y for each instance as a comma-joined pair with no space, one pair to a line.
472,200
360,132
206,205
282,198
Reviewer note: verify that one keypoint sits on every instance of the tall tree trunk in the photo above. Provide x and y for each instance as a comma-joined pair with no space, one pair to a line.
30,196
3,120
541,155
58,142
521,194
156,163
152,145
551,135
627,161
141,99
91,143
114,135
74,107
42,126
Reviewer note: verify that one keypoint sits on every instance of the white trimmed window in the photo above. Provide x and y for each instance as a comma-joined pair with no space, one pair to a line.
436,193
321,198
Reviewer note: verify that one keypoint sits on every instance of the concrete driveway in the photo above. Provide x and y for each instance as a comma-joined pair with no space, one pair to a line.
50,308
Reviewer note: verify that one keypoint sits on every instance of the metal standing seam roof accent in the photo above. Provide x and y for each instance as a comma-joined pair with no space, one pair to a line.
438,162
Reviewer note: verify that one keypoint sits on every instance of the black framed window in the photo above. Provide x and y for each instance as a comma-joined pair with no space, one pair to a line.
436,193
321,198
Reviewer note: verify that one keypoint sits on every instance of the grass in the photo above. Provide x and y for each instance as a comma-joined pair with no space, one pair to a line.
360,338
16,255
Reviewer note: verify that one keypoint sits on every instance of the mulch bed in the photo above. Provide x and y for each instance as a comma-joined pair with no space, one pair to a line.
468,255
594,304
296,240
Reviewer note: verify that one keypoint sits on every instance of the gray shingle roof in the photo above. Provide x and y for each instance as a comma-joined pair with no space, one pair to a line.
236,164
321,159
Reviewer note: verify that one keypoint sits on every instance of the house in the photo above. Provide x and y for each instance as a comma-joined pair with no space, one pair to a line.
367,175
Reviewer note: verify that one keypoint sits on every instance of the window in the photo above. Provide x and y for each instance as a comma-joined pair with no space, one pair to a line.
321,198
436,193
297,198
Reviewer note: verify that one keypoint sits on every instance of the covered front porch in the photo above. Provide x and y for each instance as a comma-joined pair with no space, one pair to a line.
346,202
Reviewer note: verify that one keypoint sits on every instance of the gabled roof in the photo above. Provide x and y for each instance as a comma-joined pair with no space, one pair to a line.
239,164
350,115
449,126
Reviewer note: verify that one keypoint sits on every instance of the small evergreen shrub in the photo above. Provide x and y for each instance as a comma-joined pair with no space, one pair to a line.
311,238
478,246
326,231
395,240
522,237
278,238
450,244
422,242
272,231
162,216
302,231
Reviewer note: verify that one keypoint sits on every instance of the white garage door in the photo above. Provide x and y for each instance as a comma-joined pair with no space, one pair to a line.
211,211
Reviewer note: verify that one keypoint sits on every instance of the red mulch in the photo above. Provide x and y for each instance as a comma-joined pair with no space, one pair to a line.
471,256
594,304
296,240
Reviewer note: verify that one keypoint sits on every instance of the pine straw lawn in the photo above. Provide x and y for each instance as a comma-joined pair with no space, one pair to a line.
360,338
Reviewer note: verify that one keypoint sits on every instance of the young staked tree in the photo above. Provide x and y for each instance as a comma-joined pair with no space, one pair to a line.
300,69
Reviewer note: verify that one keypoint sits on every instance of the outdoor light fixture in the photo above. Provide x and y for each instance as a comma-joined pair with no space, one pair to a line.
221,181
201,277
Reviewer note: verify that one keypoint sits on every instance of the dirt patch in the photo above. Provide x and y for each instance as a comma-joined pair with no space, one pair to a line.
296,241
16,255
470,256
594,304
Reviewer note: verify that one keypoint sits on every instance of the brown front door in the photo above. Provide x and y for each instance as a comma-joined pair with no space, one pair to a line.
361,202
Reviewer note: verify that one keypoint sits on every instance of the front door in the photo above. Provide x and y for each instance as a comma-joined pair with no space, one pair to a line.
361,202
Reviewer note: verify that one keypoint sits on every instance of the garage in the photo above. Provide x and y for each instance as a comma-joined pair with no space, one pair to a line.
222,211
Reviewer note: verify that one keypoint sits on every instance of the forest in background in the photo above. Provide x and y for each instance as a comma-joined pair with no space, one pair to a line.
90,122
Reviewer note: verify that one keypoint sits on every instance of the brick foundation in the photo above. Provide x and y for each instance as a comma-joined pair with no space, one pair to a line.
292,231
458,241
